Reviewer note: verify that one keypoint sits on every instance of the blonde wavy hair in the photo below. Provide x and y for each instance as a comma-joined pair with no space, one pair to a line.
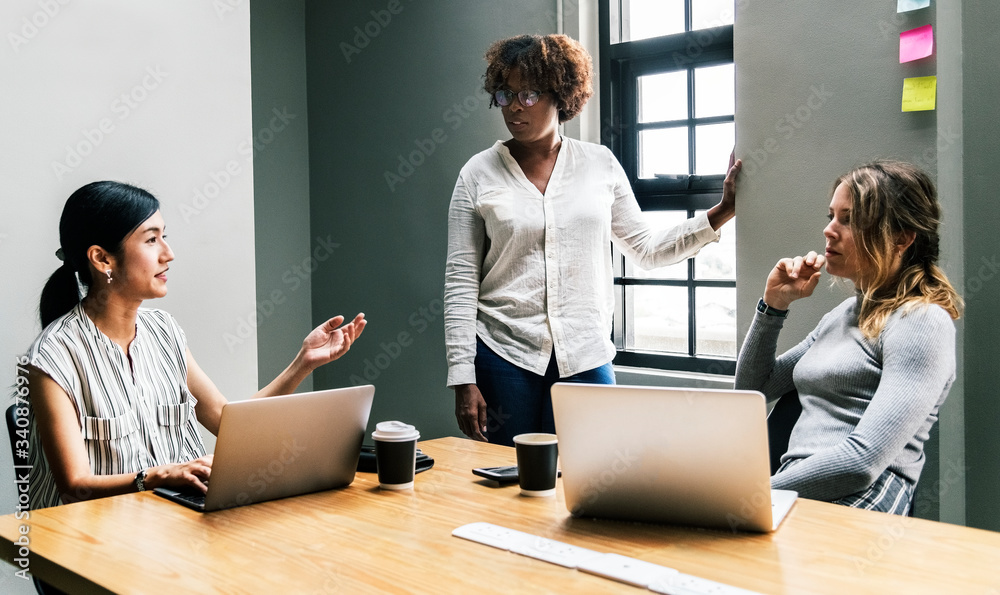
890,198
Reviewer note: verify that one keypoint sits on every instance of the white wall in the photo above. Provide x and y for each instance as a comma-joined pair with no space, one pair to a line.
578,19
169,83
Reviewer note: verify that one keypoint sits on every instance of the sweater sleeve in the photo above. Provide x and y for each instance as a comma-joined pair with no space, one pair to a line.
757,368
918,367
466,247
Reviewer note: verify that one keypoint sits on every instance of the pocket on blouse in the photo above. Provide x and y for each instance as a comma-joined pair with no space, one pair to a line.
176,414
108,428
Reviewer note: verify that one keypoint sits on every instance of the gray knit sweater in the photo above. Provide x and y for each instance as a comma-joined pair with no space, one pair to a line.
867,406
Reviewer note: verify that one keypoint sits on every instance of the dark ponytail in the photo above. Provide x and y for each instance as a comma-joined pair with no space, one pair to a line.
59,296
98,214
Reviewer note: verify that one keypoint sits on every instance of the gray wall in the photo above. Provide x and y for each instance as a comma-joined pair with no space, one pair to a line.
415,83
818,92
981,148
947,487
281,185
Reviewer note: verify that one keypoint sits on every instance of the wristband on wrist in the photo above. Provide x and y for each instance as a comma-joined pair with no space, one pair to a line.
763,308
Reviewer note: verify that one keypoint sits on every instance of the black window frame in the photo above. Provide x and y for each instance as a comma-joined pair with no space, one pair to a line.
620,65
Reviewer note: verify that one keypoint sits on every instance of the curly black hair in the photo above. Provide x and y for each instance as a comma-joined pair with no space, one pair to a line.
555,63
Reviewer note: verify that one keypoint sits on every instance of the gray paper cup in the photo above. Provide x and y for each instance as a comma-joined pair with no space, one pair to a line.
395,454
537,457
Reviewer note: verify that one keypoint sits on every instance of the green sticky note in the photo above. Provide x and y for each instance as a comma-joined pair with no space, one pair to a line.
919,94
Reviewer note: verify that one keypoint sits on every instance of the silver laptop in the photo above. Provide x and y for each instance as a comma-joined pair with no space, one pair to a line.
283,446
684,456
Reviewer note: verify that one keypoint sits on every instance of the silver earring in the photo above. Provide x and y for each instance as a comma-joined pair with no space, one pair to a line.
108,272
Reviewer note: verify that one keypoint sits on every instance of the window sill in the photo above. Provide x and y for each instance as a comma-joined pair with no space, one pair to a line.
652,377
675,362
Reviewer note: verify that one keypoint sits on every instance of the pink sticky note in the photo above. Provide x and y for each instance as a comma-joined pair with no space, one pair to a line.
916,43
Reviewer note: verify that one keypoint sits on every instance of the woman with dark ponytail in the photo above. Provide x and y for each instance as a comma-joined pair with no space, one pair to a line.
873,374
114,391
98,214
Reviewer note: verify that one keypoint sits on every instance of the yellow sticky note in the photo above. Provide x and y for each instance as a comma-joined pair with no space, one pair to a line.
919,94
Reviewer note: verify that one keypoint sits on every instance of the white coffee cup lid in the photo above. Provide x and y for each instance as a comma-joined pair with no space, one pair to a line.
394,431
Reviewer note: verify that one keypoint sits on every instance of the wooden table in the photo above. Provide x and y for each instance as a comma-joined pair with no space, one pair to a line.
363,540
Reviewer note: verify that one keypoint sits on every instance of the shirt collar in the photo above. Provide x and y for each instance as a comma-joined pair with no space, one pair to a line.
91,328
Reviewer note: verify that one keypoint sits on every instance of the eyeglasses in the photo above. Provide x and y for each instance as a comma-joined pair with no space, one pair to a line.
527,97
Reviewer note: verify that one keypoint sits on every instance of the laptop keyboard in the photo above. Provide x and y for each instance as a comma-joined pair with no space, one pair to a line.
192,495
198,499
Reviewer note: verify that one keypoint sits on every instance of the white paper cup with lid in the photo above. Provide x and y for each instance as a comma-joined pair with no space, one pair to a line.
395,454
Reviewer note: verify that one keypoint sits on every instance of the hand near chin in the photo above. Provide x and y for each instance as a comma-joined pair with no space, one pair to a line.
792,279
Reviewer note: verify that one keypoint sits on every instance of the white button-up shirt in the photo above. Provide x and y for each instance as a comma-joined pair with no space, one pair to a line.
531,273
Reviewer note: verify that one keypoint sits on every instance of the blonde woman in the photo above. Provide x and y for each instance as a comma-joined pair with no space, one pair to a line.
873,374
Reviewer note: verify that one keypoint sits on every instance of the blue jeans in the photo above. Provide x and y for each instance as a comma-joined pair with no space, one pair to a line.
519,401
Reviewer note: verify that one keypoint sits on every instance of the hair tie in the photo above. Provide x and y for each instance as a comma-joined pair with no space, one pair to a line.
60,255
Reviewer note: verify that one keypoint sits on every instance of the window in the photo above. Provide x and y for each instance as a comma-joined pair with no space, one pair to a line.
668,106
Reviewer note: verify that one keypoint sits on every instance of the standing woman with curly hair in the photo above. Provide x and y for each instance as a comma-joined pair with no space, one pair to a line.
528,285
874,372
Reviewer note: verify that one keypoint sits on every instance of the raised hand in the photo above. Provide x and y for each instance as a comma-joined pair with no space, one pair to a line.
329,340
793,278
726,209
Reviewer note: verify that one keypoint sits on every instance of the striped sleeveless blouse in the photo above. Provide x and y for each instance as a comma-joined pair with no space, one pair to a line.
131,416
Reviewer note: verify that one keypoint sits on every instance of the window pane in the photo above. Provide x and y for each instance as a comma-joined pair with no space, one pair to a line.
716,314
664,152
659,318
663,97
713,145
714,91
717,261
652,18
711,13
661,220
